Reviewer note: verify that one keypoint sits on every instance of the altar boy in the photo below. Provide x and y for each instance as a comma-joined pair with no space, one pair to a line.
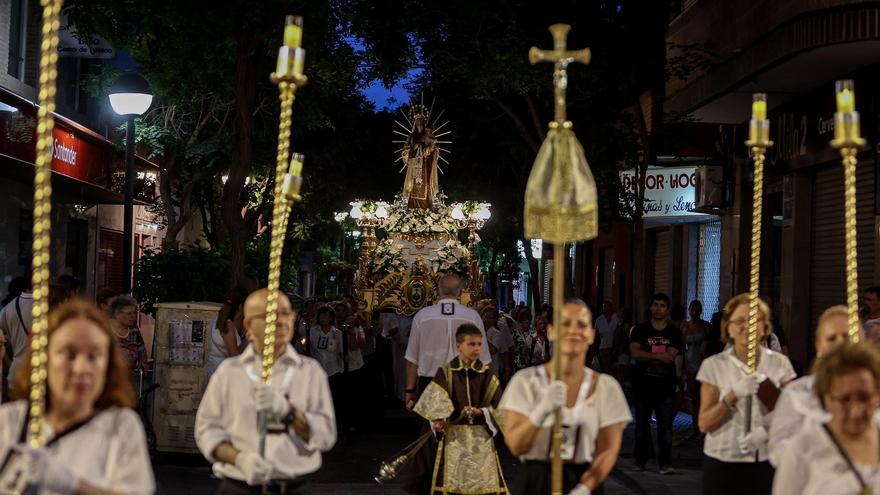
460,403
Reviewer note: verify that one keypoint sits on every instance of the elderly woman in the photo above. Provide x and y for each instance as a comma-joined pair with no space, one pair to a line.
594,413
841,456
95,443
799,401
736,454
124,327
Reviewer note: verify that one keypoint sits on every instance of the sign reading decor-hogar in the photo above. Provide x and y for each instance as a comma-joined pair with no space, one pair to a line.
669,191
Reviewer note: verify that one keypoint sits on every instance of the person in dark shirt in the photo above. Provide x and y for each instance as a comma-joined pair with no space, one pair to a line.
654,345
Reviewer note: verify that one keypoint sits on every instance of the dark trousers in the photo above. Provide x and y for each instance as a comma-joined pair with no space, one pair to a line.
533,478
662,407
340,402
235,487
734,478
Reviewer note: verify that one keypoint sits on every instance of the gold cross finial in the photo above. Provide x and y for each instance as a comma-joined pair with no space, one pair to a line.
561,57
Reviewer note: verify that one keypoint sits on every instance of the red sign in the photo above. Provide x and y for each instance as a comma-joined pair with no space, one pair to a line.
75,153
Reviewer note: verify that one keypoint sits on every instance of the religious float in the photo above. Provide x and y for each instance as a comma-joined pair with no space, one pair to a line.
409,243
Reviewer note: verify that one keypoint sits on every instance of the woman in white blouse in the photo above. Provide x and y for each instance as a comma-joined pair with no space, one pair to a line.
841,456
799,401
594,414
95,443
736,459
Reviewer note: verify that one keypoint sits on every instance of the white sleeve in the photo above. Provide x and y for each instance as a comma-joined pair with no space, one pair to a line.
518,396
788,374
320,414
209,417
708,372
412,346
792,474
613,408
130,471
784,425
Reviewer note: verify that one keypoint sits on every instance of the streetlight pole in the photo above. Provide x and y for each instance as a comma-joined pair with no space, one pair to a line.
128,208
130,97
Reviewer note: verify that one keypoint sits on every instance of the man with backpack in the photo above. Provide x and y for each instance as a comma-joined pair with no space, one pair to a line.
15,322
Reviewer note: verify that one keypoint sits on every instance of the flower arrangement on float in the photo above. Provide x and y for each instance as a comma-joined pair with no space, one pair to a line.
386,258
452,257
418,222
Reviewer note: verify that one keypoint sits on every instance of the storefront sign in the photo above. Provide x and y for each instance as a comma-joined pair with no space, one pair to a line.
669,191
73,44
74,153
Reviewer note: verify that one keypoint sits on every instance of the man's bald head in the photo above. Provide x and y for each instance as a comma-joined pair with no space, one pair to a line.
449,285
255,319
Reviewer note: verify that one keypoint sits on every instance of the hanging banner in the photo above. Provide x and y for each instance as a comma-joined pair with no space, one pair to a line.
669,191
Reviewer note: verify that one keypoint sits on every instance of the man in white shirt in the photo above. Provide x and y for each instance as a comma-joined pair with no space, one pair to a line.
606,325
16,319
432,337
297,400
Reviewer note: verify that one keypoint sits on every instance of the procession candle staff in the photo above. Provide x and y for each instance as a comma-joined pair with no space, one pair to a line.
759,141
560,200
848,139
288,76
43,217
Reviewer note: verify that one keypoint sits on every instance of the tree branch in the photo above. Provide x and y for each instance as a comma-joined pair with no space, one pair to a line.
520,126
536,119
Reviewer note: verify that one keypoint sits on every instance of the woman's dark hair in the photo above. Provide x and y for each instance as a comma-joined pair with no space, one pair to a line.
677,313
234,299
118,390
325,309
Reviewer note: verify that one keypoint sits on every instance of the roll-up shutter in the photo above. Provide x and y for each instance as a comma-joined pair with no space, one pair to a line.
827,266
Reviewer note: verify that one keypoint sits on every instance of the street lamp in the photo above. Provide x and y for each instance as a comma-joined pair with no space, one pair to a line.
130,97
471,216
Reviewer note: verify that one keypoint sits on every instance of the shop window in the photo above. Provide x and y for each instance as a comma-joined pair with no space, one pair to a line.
110,259
17,18
709,267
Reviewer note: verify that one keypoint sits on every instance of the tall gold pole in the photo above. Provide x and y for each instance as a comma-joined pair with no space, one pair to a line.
759,141
561,201
43,216
848,139
288,76
556,364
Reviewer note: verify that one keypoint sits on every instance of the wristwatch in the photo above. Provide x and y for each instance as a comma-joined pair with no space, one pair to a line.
290,417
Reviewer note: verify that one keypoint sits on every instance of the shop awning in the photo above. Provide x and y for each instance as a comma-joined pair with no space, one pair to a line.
65,189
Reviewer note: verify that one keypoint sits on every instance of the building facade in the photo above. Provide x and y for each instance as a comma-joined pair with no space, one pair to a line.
87,167
793,50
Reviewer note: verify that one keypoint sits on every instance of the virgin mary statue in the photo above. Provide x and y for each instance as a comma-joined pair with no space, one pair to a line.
420,155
